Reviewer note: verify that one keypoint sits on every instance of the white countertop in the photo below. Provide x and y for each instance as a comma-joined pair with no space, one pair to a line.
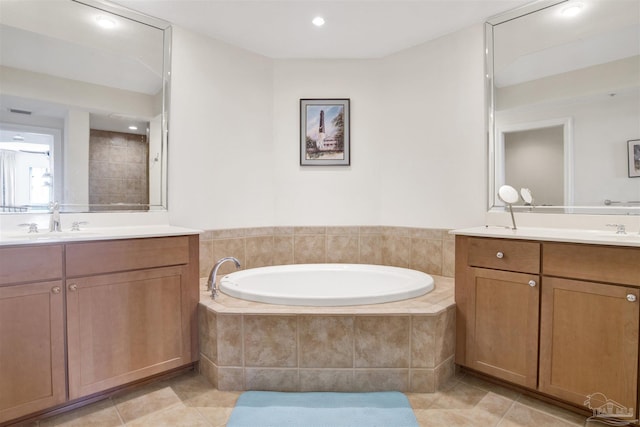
22,237
595,237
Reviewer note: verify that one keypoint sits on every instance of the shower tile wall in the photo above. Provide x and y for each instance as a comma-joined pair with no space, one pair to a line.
427,250
118,169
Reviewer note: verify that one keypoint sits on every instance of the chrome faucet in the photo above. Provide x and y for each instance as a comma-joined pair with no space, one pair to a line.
211,284
54,221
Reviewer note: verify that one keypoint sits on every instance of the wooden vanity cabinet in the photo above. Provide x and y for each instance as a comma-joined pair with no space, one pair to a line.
130,310
588,317
589,328
501,299
32,372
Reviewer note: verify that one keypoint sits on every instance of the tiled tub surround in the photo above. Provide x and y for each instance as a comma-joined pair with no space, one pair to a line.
404,345
427,250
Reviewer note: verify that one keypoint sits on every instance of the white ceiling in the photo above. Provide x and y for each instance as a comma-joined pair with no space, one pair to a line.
353,29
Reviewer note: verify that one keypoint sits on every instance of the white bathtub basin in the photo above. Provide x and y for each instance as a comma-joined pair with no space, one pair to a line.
326,284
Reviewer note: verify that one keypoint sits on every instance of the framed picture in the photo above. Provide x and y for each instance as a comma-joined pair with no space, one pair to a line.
634,158
324,132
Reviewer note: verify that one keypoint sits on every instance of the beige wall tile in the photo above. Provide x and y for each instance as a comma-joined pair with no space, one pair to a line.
381,380
445,333
370,229
396,251
282,250
426,255
382,342
208,370
207,332
343,230
228,233
270,341
426,233
342,249
448,257
445,373
271,379
259,231
326,341
396,231
229,340
229,247
259,251
283,231
424,249
310,230
309,249
370,249
206,257
423,341
326,380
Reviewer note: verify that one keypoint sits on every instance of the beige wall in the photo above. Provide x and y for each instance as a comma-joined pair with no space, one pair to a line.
417,134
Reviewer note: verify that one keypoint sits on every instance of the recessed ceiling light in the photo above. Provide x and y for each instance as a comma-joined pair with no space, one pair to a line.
133,127
572,9
318,21
105,22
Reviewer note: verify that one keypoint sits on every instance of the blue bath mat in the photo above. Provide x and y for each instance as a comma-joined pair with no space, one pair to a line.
322,409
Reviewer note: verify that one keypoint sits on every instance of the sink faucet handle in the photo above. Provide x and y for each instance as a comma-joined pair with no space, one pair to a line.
75,225
33,227
620,228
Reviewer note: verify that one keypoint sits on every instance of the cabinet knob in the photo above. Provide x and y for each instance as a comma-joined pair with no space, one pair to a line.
56,289
631,298
500,255
73,287
532,283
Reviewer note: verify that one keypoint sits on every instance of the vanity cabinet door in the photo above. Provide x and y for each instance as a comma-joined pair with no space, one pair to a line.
589,341
502,324
126,326
32,374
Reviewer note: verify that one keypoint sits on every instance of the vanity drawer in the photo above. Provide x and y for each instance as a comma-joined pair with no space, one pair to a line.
30,264
503,254
606,264
124,255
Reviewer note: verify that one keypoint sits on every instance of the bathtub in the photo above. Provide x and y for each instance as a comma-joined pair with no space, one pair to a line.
325,285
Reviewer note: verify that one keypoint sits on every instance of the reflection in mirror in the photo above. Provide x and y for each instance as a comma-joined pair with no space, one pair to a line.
92,99
509,195
564,101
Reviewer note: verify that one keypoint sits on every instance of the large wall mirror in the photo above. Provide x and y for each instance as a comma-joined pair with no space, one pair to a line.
564,105
83,107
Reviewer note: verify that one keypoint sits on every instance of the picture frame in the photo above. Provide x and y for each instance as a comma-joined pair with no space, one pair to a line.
633,152
325,132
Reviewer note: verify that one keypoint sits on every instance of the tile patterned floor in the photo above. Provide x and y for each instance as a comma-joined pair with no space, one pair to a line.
189,400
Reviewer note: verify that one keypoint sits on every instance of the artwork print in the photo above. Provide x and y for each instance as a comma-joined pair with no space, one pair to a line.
324,132
634,158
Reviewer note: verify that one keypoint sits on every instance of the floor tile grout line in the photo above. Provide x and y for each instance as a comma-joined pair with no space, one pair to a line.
513,402
557,417
122,422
